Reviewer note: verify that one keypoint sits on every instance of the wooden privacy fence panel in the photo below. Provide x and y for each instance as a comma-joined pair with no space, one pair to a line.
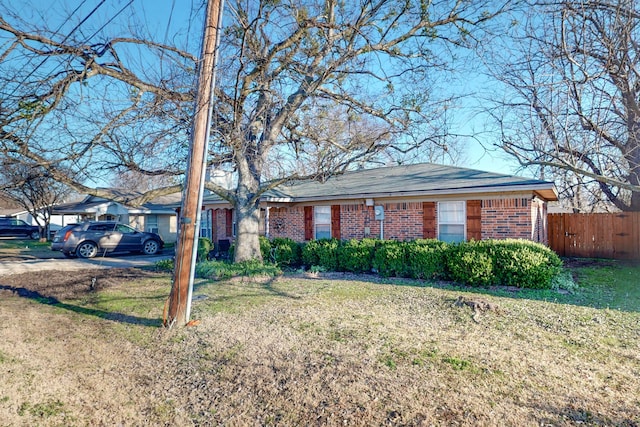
611,235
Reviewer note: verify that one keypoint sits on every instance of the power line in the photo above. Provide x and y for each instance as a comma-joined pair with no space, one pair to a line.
62,42
109,21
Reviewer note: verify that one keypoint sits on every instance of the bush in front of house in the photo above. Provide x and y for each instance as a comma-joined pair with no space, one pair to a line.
205,245
265,248
509,262
356,255
389,258
321,253
525,264
470,263
285,252
425,258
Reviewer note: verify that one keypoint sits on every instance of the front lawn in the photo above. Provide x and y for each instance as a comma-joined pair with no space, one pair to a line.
327,349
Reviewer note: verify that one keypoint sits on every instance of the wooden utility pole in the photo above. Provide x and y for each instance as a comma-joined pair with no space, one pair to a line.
178,306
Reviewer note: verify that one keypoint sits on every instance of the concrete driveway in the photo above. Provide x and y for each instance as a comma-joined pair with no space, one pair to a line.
63,264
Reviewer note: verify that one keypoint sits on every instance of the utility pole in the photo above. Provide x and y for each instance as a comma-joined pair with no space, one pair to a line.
178,306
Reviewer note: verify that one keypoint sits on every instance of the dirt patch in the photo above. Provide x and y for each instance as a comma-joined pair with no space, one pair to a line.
60,285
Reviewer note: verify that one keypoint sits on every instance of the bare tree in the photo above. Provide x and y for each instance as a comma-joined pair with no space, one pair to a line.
572,107
86,108
326,84
31,188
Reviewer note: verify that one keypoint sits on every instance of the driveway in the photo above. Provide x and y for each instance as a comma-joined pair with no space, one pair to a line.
14,266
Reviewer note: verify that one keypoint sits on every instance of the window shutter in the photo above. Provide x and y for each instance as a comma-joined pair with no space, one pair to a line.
429,220
229,224
335,221
474,220
308,222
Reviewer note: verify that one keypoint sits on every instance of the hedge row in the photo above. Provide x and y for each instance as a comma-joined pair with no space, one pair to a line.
520,263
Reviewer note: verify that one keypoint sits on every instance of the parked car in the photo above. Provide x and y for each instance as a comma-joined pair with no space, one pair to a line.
14,227
91,238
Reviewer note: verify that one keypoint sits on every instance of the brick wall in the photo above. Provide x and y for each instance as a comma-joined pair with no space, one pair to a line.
220,224
506,218
403,221
519,218
287,222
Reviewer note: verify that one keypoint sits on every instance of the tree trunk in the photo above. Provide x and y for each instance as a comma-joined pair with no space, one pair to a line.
247,232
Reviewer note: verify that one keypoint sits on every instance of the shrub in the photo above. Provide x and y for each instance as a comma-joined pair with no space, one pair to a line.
310,253
389,258
425,259
285,252
525,264
322,252
165,265
205,245
265,248
470,264
328,253
356,255
508,262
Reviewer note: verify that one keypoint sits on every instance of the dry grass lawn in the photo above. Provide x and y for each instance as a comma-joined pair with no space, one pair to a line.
299,350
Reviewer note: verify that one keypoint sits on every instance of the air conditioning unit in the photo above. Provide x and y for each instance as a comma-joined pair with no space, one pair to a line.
153,230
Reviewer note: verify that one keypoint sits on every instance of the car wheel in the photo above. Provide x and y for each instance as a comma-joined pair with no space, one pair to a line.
151,247
87,250
34,235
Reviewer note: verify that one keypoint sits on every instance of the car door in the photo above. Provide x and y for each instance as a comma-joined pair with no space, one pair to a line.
4,226
20,228
130,238
105,235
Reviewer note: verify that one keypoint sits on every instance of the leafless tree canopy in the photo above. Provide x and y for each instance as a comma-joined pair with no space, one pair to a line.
92,106
573,104
31,188
304,89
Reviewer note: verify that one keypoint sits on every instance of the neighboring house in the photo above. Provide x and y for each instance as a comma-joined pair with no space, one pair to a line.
26,216
401,202
157,216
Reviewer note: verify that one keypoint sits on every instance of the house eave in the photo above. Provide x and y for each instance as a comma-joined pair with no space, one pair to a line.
543,191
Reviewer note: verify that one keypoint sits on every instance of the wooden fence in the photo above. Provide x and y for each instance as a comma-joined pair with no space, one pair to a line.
600,235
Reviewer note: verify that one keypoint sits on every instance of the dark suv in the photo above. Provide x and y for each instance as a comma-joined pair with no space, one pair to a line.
13,227
91,238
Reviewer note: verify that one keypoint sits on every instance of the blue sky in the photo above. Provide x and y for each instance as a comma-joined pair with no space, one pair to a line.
163,17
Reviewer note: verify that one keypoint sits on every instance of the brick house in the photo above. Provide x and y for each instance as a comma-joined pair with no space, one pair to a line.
400,202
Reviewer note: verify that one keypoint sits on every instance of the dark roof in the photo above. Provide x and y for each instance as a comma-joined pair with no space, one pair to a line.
423,179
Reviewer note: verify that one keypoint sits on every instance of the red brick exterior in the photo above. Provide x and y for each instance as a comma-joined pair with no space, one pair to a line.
519,218
287,222
506,218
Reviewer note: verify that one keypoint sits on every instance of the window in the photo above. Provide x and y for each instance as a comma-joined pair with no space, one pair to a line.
125,229
451,221
151,222
205,224
322,222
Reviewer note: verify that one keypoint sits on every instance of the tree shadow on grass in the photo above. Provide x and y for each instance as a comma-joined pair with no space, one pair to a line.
265,283
102,314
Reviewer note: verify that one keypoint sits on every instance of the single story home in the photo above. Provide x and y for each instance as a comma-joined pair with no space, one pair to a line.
404,202
156,216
